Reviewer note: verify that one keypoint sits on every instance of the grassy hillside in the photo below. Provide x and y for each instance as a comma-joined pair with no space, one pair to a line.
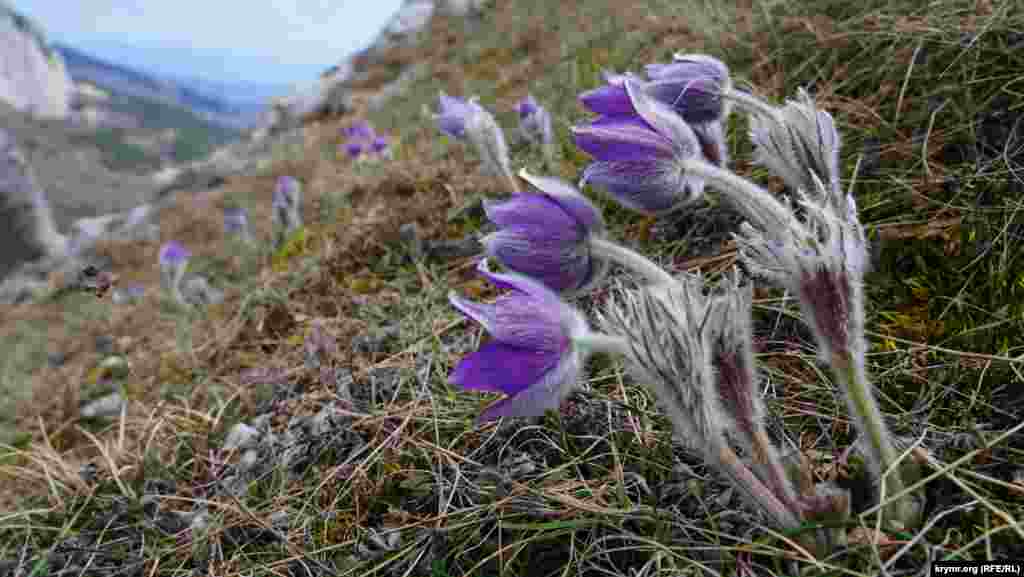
927,100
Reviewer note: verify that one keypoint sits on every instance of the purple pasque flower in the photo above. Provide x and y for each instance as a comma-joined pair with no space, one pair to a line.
638,157
287,207
285,190
454,114
173,253
547,235
532,357
353,149
527,107
693,85
534,121
236,220
173,259
610,99
379,144
360,129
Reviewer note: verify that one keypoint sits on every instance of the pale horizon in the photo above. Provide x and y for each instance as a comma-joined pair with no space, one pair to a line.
273,42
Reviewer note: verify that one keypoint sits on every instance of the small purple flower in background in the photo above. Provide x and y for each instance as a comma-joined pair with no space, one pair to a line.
611,99
532,358
287,206
173,259
535,124
353,149
467,120
453,115
236,222
638,156
361,130
380,144
547,236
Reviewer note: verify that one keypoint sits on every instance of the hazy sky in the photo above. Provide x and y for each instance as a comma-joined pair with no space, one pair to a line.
258,41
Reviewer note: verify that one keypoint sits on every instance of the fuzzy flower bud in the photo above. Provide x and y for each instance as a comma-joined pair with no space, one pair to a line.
548,235
464,119
800,144
535,124
173,259
532,357
287,206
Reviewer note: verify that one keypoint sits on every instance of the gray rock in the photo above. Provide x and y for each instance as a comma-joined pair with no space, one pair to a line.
107,406
249,461
105,344
27,229
197,291
32,75
241,437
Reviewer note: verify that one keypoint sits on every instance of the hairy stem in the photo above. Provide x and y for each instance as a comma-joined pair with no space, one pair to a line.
630,259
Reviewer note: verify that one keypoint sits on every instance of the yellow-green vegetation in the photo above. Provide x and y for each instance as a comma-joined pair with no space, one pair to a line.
928,100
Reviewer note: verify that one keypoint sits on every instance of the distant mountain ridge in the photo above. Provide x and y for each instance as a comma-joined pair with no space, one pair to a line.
120,79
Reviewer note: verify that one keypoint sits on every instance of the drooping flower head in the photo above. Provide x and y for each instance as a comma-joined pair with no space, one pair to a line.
173,253
693,85
360,129
353,149
665,327
535,124
464,119
453,115
531,357
287,206
546,235
173,259
638,156
236,221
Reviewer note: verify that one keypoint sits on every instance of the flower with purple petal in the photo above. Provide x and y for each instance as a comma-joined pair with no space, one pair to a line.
236,221
286,205
353,149
611,99
547,235
535,123
638,157
379,144
693,85
532,357
454,114
173,259
360,129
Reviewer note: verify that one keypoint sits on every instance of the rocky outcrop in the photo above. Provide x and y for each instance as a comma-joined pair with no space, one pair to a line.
32,75
331,95
27,230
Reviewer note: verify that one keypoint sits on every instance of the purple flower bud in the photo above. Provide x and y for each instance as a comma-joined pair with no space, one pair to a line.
285,190
692,85
173,253
353,149
236,220
454,114
360,129
526,107
531,358
638,156
379,144
547,236
173,260
535,122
